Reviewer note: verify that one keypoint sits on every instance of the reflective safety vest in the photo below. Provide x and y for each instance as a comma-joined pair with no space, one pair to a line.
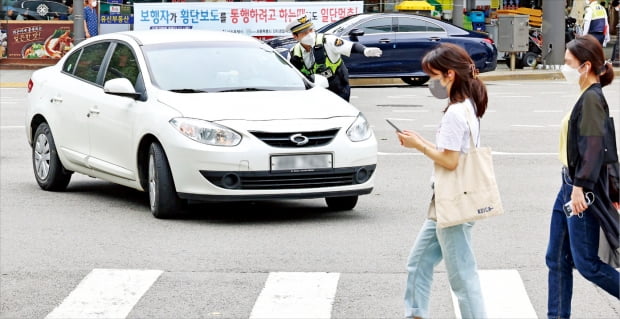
599,16
322,64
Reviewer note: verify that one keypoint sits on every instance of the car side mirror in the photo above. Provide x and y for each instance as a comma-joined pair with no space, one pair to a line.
321,81
121,87
353,34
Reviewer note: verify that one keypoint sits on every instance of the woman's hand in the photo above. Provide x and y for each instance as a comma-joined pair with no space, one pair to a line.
410,139
579,200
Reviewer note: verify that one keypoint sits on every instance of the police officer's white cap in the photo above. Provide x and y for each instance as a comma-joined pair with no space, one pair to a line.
299,24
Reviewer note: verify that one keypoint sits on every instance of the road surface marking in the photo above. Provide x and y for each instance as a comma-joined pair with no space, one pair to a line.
504,295
410,111
404,96
296,295
106,293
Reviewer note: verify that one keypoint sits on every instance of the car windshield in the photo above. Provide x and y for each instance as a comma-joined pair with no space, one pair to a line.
220,67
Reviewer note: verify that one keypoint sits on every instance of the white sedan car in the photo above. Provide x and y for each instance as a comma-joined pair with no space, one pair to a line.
195,115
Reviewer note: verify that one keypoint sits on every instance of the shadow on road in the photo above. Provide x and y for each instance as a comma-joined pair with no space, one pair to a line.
242,212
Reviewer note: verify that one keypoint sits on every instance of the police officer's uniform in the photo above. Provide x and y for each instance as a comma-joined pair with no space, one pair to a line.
325,57
595,22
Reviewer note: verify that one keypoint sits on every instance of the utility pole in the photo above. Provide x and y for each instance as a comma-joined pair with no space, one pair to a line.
78,21
553,29
457,12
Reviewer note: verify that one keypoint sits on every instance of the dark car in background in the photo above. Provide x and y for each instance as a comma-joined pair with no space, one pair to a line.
404,39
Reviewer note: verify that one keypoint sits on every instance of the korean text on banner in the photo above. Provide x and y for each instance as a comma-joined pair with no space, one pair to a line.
250,18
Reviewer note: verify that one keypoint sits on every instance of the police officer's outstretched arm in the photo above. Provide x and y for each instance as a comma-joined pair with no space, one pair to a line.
344,47
369,52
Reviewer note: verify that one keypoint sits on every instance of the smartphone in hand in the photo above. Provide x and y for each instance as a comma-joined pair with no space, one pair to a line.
394,126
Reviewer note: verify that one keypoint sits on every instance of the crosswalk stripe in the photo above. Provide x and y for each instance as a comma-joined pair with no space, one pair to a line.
106,293
504,295
296,295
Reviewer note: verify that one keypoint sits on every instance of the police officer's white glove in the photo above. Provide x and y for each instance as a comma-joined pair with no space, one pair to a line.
372,52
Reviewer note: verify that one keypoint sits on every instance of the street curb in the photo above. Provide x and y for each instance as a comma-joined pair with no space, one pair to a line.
13,85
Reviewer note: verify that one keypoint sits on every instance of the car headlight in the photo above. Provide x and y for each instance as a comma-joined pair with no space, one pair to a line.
359,130
206,132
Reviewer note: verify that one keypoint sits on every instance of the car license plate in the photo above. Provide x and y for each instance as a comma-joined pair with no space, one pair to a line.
301,162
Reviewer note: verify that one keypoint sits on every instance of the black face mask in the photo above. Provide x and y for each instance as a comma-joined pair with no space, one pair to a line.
437,90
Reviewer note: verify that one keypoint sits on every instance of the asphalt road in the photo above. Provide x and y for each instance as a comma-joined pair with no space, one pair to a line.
215,261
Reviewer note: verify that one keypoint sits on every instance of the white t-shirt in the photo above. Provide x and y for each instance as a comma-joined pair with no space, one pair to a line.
453,131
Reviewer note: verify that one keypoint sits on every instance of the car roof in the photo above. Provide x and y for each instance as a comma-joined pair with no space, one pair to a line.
159,36
452,29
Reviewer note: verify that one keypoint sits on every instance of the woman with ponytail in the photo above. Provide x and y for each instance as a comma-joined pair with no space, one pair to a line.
454,76
584,195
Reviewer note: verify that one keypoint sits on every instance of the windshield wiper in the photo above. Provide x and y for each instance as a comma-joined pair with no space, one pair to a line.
188,91
245,90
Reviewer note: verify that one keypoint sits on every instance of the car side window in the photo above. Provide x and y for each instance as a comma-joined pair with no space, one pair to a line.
70,63
89,63
381,25
123,65
417,25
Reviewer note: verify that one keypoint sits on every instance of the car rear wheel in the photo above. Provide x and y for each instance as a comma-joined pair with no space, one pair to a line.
48,169
341,203
163,198
415,80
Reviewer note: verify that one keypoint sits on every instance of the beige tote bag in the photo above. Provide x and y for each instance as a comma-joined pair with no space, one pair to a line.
469,192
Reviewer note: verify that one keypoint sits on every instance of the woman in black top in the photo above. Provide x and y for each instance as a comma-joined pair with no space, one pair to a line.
574,237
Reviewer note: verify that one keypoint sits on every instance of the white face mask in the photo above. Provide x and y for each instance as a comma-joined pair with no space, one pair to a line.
93,4
309,39
617,8
572,75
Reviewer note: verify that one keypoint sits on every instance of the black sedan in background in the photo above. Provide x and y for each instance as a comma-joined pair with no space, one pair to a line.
404,39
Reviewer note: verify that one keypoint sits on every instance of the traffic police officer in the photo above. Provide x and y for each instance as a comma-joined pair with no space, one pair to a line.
595,22
322,54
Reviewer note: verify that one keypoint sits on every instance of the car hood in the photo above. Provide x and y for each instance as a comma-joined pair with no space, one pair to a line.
316,103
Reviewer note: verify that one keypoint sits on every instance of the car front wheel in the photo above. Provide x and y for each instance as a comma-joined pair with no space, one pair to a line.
341,203
415,80
48,169
163,198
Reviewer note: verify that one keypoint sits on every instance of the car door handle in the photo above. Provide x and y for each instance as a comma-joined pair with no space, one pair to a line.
56,100
434,39
92,111
384,41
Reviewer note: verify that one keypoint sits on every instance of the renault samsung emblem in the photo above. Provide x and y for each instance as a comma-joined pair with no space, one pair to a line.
299,139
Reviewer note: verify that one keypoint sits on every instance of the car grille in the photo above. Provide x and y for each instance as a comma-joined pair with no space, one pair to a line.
290,180
317,138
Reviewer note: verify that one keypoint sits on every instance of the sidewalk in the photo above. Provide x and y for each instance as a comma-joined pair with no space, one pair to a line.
17,78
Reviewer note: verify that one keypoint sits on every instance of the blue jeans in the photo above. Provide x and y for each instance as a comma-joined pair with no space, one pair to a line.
573,242
453,244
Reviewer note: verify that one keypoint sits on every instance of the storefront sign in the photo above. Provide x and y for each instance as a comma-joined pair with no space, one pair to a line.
33,39
250,18
115,12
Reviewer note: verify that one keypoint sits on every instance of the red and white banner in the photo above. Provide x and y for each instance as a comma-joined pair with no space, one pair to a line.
261,19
